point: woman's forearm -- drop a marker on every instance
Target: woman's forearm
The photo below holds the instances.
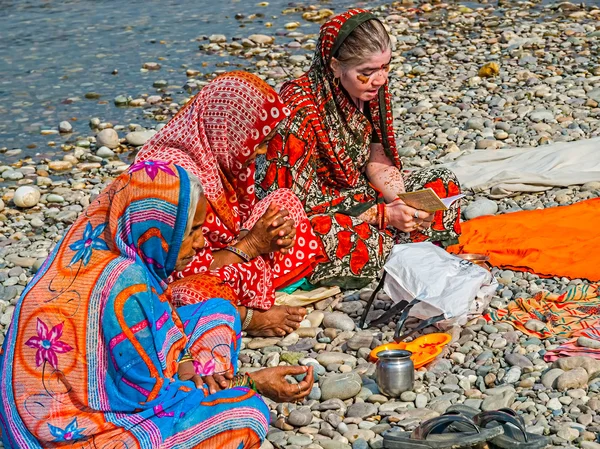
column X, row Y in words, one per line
column 225, row 257
column 383, row 174
column 370, row 216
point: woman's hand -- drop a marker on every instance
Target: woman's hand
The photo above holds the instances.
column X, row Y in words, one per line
column 270, row 382
column 214, row 383
column 274, row 231
column 403, row 217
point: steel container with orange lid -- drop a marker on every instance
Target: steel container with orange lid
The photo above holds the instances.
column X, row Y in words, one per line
column 395, row 372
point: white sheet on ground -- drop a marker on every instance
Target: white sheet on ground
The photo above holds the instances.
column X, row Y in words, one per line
column 527, row 169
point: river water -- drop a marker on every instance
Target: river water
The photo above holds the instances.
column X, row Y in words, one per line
column 54, row 52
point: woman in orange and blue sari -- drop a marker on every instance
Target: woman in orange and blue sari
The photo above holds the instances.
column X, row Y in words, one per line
column 96, row 356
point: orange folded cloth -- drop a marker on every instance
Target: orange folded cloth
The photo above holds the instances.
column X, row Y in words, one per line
column 559, row 241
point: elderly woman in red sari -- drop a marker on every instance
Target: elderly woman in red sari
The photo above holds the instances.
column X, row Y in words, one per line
column 337, row 153
column 252, row 248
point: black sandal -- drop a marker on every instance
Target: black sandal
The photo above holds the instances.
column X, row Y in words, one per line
column 441, row 433
column 515, row 435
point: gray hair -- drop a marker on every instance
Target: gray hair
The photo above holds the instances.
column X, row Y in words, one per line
column 367, row 39
column 196, row 190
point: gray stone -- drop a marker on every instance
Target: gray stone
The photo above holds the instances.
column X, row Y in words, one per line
column 594, row 95
column 512, row 375
column 12, row 175
column 342, row 386
column 592, row 185
column 300, row 440
column 300, row 417
column 420, row 401
column 104, row 152
column 107, row 138
column 535, row 325
column 54, row 198
column 408, row 396
column 540, row 116
column 554, row 404
column 65, row 127
column 475, row 123
column 139, row 138
column 328, row 358
column 498, row 401
column 261, row 39
column 333, row 444
column 339, row 320
column 362, row 339
column 549, row 377
column 362, row 410
column 518, row 360
column 588, row 343
column 480, row 207
column 26, row 196
column 575, row 378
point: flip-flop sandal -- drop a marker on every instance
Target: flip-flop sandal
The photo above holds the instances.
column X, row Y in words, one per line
column 439, row 433
column 515, row 435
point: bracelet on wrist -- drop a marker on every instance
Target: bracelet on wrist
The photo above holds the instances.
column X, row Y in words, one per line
column 238, row 252
column 248, row 319
column 187, row 357
column 382, row 220
column 243, row 380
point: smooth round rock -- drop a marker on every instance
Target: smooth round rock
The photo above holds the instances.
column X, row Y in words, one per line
column 107, row 138
column 139, row 138
column 341, row 386
column 26, row 196
column 104, row 152
column 339, row 320
column 361, row 410
column 65, row 127
column 300, row 417
column 481, row 207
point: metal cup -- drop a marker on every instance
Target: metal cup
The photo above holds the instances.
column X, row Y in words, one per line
column 395, row 372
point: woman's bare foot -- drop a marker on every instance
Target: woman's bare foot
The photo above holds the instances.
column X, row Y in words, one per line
column 278, row 321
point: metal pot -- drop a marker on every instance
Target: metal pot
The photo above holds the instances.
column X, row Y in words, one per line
column 395, row 372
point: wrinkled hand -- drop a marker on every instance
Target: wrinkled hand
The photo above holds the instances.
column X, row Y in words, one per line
column 214, row 382
column 270, row 382
column 402, row 217
column 274, row 231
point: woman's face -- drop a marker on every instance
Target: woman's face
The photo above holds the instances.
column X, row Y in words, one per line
column 364, row 80
column 195, row 240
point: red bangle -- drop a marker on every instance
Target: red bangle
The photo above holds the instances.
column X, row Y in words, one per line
column 381, row 216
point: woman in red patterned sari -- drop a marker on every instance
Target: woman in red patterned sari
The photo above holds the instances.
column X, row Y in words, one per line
column 250, row 247
column 337, row 153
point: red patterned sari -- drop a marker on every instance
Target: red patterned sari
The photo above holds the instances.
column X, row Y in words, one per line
column 213, row 137
column 320, row 154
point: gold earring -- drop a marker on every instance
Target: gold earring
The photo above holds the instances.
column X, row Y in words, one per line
column 336, row 82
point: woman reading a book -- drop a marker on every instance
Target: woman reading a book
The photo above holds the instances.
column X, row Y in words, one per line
column 337, row 153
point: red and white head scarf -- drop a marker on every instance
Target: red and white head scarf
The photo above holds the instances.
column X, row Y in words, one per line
column 213, row 137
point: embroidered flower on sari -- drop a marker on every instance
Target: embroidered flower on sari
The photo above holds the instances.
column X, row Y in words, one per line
column 205, row 370
column 69, row 433
column 48, row 344
column 152, row 168
column 91, row 240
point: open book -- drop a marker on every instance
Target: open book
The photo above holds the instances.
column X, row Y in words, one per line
column 428, row 200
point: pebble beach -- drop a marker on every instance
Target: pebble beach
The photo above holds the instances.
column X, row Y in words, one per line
column 464, row 76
